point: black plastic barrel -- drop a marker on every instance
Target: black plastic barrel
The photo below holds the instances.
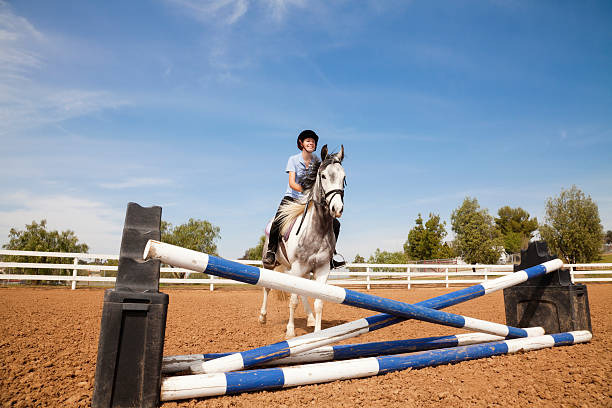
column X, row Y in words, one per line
column 131, row 345
column 552, row 301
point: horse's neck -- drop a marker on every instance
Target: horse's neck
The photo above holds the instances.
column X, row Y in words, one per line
column 320, row 214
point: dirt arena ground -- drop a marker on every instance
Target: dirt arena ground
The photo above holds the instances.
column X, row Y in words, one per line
column 49, row 337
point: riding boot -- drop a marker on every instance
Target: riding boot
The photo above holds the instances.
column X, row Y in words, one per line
column 269, row 258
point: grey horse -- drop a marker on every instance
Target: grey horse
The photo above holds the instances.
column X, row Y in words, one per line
column 311, row 242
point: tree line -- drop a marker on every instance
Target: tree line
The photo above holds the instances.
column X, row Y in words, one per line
column 572, row 228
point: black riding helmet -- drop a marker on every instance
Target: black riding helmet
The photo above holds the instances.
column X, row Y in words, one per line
column 305, row 135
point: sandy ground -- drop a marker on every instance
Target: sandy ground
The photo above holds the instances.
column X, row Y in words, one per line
column 49, row 338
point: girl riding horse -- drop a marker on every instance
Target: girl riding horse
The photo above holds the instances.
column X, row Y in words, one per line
column 309, row 223
column 297, row 167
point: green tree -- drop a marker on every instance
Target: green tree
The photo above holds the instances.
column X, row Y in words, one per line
column 446, row 251
column 36, row 237
column 386, row 257
column 477, row 238
column 198, row 235
column 608, row 237
column 515, row 227
column 572, row 226
column 358, row 259
column 256, row 252
column 425, row 242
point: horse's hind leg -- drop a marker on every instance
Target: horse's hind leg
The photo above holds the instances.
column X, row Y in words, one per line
column 308, row 310
column 293, row 302
column 263, row 312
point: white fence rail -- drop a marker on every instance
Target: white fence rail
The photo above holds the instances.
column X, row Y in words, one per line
column 354, row 274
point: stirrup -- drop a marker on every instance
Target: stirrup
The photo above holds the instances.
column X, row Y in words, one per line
column 333, row 264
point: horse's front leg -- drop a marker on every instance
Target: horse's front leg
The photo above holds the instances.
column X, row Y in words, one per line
column 293, row 302
column 321, row 277
column 263, row 312
column 296, row 270
column 308, row 310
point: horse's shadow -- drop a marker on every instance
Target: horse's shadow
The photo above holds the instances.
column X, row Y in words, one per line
column 302, row 323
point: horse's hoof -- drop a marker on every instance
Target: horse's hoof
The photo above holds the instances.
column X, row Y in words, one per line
column 311, row 321
column 289, row 334
column 262, row 319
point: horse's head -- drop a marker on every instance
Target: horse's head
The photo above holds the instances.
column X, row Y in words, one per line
column 332, row 180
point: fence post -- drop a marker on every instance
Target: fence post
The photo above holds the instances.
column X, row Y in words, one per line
column 446, row 273
column 486, row 270
column 74, row 273
column 368, row 270
column 408, row 277
column 212, row 285
column 572, row 273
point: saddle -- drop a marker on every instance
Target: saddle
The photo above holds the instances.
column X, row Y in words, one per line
column 284, row 237
column 287, row 233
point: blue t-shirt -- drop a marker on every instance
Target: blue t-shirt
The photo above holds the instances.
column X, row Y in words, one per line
column 296, row 164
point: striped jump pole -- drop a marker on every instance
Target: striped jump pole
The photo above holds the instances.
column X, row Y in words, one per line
column 205, row 385
column 365, row 325
column 201, row 262
column 175, row 364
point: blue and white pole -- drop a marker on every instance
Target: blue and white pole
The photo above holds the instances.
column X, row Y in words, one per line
column 175, row 364
column 197, row 261
column 201, row 262
column 205, row 385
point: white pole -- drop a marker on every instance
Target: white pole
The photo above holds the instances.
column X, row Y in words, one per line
column 368, row 277
column 74, row 273
column 446, row 274
column 206, row 385
column 201, row 262
column 408, row 270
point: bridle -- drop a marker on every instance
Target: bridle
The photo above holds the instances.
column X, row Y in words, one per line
column 332, row 193
column 324, row 201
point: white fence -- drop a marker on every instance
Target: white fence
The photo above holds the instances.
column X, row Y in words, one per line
column 97, row 268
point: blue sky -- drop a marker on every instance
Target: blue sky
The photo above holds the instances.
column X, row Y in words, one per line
column 195, row 106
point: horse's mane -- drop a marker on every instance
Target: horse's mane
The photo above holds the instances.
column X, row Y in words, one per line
column 291, row 210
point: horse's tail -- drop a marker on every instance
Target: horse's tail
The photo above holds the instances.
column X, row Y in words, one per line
column 288, row 212
column 280, row 295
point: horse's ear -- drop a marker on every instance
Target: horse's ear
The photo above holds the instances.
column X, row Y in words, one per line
column 323, row 152
column 340, row 155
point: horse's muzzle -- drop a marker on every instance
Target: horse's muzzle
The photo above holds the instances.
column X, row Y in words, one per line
column 337, row 208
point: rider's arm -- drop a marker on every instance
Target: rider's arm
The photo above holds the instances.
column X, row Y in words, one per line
column 292, row 182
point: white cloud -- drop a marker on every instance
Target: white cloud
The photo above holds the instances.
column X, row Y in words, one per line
column 15, row 33
column 230, row 11
column 279, row 7
column 27, row 103
column 94, row 223
column 136, row 182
